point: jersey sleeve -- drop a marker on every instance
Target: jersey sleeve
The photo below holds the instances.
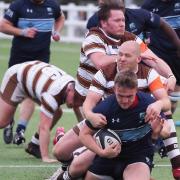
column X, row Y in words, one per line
column 98, row 83
column 152, row 20
column 143, row 46
column 92, row 44
column 57, row 10
column 48, row 105
column 154, row 81
column 12, row 13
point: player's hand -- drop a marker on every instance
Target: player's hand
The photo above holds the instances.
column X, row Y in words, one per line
column 156, row 125
column 56, row 36
column 152, row 111
column 29, row 32
column 49, row 160
column 111, row 151
column 98, row 120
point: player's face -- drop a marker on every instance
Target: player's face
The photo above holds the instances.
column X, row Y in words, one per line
column 115, row 25
column 125, row 96
column 127, row 59
column 70, row 95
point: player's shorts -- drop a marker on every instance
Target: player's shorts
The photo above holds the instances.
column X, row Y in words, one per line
column 115, row 167
column 78, row 127
column 21, row 57
column 11, row 90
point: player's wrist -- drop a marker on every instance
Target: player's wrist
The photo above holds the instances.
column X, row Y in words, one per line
column 23, row 32
column 171, row 76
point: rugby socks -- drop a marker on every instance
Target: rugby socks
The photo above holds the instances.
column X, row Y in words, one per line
column 65, row 164
column 171, row 144
column 21, row 126
column 66, row 175
column 35, row 139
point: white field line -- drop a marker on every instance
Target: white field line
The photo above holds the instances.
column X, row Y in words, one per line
column 56, row 166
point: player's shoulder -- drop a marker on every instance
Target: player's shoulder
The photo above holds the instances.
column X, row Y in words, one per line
column 145, row 98
column 128, row 36
column 52, row 3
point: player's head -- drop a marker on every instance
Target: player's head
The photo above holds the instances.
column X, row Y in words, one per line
column 70, row 89
column 100, row 2
column 129, row 56
column 112, row 20
column 125, row 88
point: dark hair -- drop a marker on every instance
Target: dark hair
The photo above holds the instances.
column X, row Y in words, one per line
column 126, row 79
column 104, row 10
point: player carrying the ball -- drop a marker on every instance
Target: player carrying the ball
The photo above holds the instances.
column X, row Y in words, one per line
column 126, row 114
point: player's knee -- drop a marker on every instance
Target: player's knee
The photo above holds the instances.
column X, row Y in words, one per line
column 78, row 168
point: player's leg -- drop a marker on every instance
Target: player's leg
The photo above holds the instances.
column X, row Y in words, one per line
column 63, row 150
column 92, row 176
column 132, row 171
column 6, row 113
column 26, row 111
column 81, row 163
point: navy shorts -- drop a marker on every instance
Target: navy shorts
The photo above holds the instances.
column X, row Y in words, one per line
column 116, row 166
column 21, row 57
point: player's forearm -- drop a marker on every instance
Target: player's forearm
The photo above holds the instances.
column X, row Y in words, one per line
column 88, row 141
column 157, row 63
column 166, row 130
column 164, row 104
column 170, row 33
column 44, row 138
column 7, row 28
column 59, row 23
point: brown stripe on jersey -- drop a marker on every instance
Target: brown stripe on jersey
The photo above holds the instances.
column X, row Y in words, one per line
column 172, row 135
column 36, row 78
column 171, row 147
column 97, row 84
column 8, row 101
column 128, row 36
column 61, row 96
column 24, row 79
column 46, row 106
column 76, row 130
column 9, row 89
column 94, row 46
column 109, row 72
column 46, row 85
column 89, row 68
column 84, row 82
column 143, row 71
column 97, row 32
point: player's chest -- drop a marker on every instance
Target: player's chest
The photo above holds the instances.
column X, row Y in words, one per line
column 37, row 12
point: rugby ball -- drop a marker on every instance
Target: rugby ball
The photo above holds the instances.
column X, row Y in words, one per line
column 106, row 137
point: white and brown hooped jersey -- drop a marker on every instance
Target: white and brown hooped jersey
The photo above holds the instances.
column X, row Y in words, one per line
column 103, row 81
column 42, row 82
column 98, row 41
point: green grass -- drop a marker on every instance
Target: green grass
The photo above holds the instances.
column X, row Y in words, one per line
column 15, row 164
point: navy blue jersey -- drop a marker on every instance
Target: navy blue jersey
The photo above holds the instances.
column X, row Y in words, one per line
column 170, row 11
column 129, row 124
column 159, row 43
column 137, row 20
column 26, row 14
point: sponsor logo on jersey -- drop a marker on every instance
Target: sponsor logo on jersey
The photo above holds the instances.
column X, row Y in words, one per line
column 115, row 120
